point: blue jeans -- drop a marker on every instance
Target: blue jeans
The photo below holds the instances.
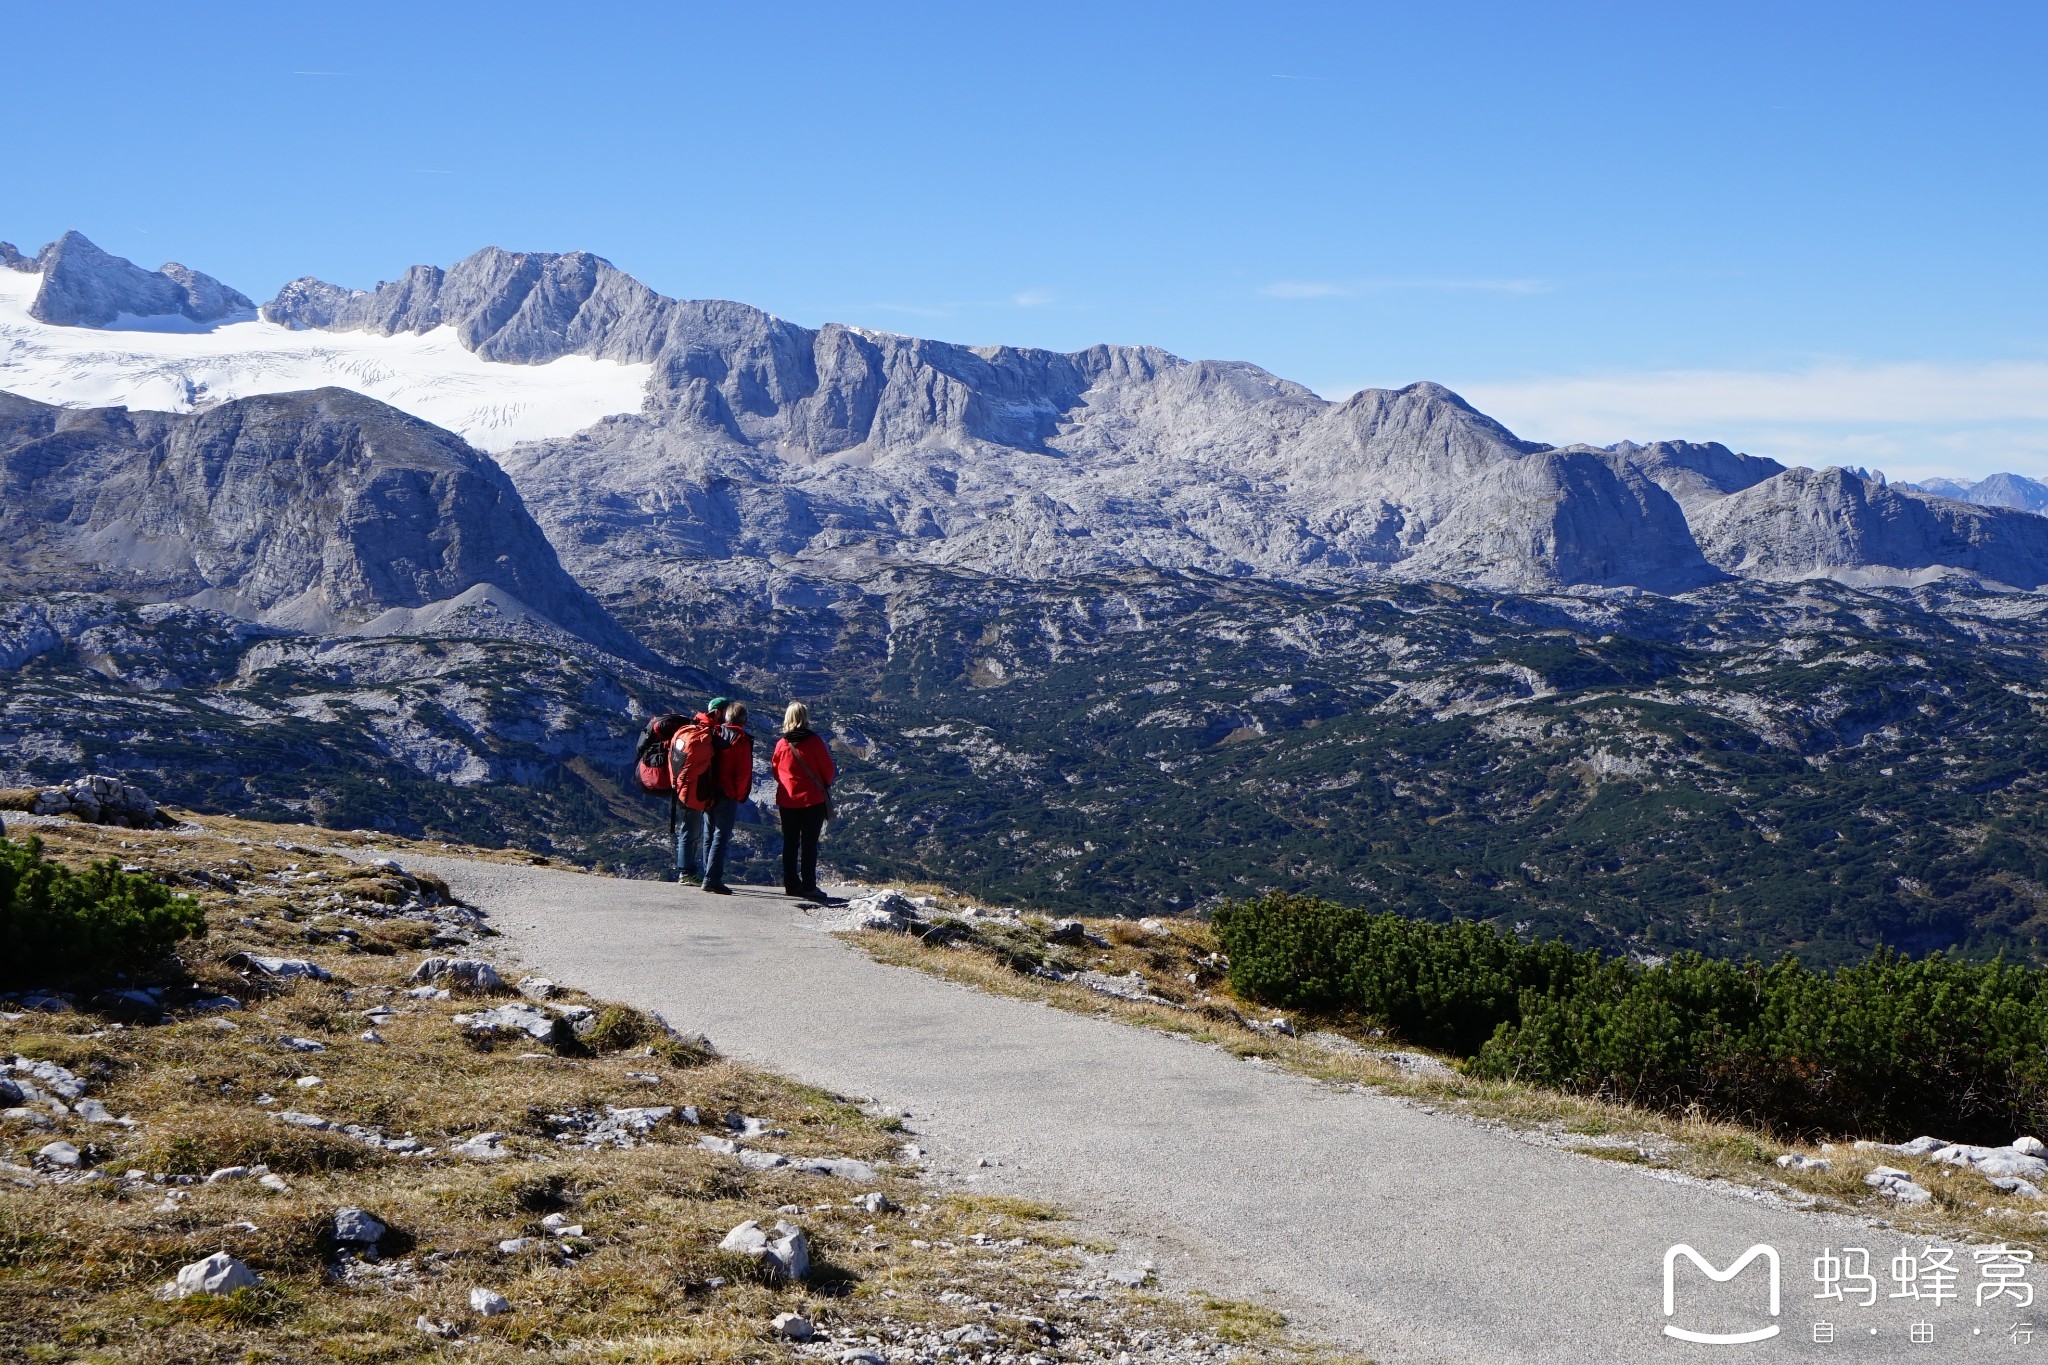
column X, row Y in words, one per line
column 689, row 841
column 721, row 813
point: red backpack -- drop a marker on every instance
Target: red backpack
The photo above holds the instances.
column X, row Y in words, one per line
column 652, row 758
column 696, row 744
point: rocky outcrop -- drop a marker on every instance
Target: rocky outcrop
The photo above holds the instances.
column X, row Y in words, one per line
column 1805, row 523
column 314, row 509
column 84, row 286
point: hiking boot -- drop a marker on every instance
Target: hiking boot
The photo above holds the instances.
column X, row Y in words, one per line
column 796, row 891
column 718, row 888
column 819, row 894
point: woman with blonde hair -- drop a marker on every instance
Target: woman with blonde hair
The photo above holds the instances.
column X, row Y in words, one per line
column 803, row 797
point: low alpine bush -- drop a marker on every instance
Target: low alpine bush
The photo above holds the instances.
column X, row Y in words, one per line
column 1891, row 1046
column 61, row 927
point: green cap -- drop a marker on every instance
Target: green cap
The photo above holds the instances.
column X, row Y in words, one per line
column 717, row 704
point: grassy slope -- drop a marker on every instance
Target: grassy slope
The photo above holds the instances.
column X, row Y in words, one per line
column 78, row 1262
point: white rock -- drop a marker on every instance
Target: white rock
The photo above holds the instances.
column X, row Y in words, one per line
column 488, row 1303
column 521, row 1019
column 274, row 1182
column 794, row 1326
column 226, row 1174
column 482, row 1147
column 445, row 1330
column 2014, row 1185
column 92, row 1111
column 219, row 1273
column 50, row 1077
column 301, row 1120
column 357, row 1226
column 461, row 973
column 2030, row 1146
column 59, row 1154
column 1798, row 1161
column 1896, row 1184
column 874, row 1202
column 370, row 1035
column 308, row 1082
column 291, row 1044
column 786, row 1253
column 285, row 967
column 514, row 1246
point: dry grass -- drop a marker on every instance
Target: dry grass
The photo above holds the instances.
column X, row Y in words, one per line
column 1177, row 967
column 79, row 1262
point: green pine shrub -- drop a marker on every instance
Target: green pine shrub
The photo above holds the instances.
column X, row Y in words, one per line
column 61, row 927
column 1891, row 1046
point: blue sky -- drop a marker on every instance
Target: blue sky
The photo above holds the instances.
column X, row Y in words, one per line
column 1812, row 230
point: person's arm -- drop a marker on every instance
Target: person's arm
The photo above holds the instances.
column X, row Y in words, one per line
column 826, row 768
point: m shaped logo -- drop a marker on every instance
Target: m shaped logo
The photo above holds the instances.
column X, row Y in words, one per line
column 1770, row 1257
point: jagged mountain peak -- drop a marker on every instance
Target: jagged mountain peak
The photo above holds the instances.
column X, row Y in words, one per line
column 84, row 286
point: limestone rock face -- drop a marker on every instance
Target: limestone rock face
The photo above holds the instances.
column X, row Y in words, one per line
column 312, row 509
column 84, row 286
column 1804, row 523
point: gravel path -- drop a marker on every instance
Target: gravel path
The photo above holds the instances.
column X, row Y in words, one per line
column 1408, row 1235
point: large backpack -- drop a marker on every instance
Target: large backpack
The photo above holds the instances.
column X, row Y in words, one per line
column 696, row 774
column 652, row 757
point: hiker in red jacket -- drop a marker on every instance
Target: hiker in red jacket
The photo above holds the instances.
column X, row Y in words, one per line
column 803, row 796
column 690, row 758
column 732, row 771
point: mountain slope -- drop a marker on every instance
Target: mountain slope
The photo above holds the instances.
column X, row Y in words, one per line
column 317, row 509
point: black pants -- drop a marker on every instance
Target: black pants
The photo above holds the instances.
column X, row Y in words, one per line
column 801, row 826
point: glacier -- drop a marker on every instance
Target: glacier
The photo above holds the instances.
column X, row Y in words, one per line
column 174, row 365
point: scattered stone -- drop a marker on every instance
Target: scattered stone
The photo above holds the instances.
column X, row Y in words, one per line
column 19, row 1114
column 59, row 1154
column 308, row 1082
column 101, row 800
column 488, row 1303
column 1131, row 1277
column 1897, row 1184
column 282, row 968
column 1990, row 1160
column 444, row 1330
column 92, row 1111
column 357, row 1227
column 428, row 993
column 536, row 987
column 228, row 1174
column 514, row 1246
column 723, row 1146
column 292, row 1044
column 1799, row 1161
column 370, row 1035
column 2031, row 1146
column 482, row 1147
column 10, row 1093
column 786, row 1254
column 50, row 1077
column 274, row 1182
column 860, row 1355
column 1131, row 986
column 762, row 1161
column 794, row 1326
column 466, row 974
column 514, row 1019
column 219, row 1273
column 874, row 1202
column 300, row 1120
column 2015, row 1185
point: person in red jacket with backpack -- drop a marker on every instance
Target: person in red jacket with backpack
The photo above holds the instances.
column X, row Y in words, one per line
column 803, row 797
column 731, row 781
column 691, row 754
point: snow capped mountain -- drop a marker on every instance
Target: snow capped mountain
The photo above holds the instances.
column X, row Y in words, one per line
column 741, row 444
column 169, row 361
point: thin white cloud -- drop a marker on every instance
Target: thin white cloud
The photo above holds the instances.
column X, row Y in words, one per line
column 1352, row 289
column 1914, row 419
column 1033, row 298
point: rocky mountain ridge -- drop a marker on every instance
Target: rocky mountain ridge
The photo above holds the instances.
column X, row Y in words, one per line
column 763, row 445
